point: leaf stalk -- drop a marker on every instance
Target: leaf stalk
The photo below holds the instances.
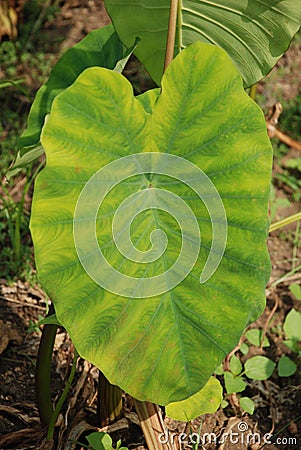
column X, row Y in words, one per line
column 110, row 405
column 171, row 35
column 43, row 367
column 152, row 425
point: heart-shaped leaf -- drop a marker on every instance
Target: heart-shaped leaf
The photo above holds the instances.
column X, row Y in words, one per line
column 233, row 383
column 259, row 368
column 296, row 289
column 129, row 185
column 292, row 325
column 254, row 336
column 254, row 33
column 100, row 441
column 286, row 367
column 235, row 365
column 247, row 404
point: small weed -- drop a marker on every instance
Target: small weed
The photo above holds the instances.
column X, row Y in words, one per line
column 292, row 182
column 101, row 441
column 19, row 62
column 292, row 330
column 260, row 367
column 34, row 325
column 276, row 204
column 16, row 246
column 296, row 291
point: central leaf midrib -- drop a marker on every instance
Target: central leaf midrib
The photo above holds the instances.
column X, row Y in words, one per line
column 190, row 91
column 171, row 294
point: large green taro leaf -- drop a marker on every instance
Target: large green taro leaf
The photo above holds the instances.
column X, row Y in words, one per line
column 255, row 33
column 100, row 47
column 162, row 347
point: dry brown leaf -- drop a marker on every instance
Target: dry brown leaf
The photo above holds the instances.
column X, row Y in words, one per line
column 8, row 334
column 8, row 20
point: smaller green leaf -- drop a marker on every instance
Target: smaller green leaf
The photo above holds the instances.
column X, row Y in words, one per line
column 205, row 401
column 118, row 446
column 224, row 404
column 247, row 404
column 286, row 367
column 296, row 290
column 120, row 65
column 235, row 365
column 49, row 320
column 259, row 368
column 100, row 441
column 219, row 370
column 254, row 336
column 23, row 160
column 234, row 384
column 255, row 33
column 244, row 348
column 292, row 325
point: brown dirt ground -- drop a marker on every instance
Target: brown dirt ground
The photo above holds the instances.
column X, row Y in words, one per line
column 278, row 400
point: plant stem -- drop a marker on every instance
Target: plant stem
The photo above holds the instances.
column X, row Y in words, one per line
column 296, row 245
column 285, row 221
column 179, row 25
column 43, row 386
column 62, row 398
column 152, row 426
column 17, row 237
column 109, row 401
column 171, row 35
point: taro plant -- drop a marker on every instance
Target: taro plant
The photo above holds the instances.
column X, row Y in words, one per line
column 149, row 220
column 292, row 331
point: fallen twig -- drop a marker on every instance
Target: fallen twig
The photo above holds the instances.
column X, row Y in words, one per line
column 18, row 302
column 265, row 328
column 271, row 122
